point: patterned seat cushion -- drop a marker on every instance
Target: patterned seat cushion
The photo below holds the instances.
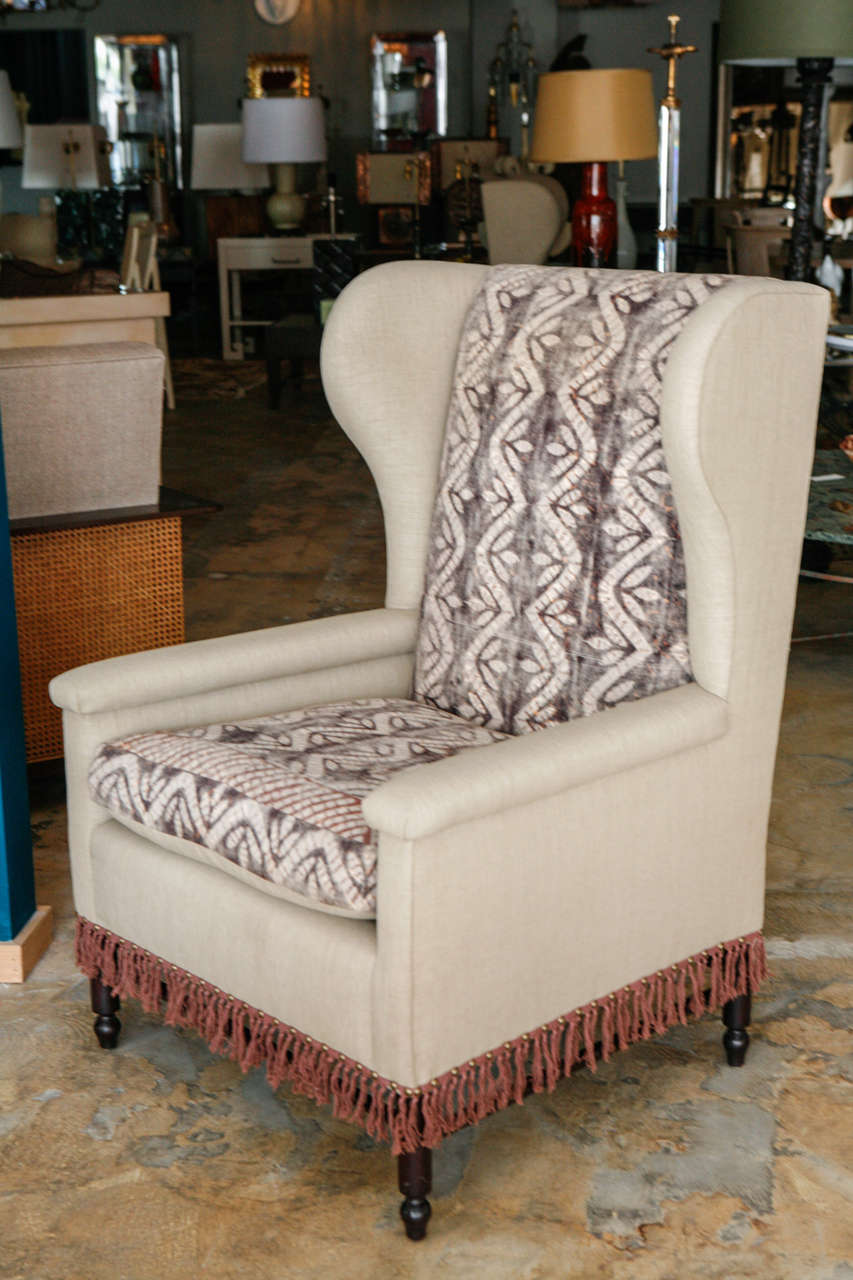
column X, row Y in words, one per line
column 555, row 578
column 281, row 796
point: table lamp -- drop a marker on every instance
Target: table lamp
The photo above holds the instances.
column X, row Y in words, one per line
column 811, row 36
column 284, row 132
column 592, row 117
column 217, row 160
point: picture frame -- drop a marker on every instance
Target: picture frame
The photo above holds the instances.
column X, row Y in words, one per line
column 395, row 226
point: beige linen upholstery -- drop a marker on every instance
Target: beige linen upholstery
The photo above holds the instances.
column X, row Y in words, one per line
column 525, row 218
column 524, row 879
column 81, row 427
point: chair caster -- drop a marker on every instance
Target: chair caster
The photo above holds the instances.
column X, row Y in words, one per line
column 414, row 1174
column 104, row 1005
column 736, row 1015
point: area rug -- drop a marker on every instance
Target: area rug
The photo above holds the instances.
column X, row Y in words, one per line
column 202, row 379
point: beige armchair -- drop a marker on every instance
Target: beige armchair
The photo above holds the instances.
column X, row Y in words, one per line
column 526, row 218
column 422, row 859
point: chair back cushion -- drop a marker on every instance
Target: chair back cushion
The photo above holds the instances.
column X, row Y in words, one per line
column 555, row 578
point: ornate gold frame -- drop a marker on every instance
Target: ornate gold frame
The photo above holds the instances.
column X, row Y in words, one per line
column 420, row 174
column 259, row 64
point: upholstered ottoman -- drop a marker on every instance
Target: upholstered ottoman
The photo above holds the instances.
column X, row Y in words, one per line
column 81, row 427
column 96, row 558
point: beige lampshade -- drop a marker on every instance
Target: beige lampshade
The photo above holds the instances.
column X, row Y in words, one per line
column 588, row 116
column 218, row 163
column 10, row 125
column 72, row 156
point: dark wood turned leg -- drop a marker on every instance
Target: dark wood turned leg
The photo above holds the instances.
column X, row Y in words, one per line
column 105, row 1006
column 736, row 1015
column 273, row 380
column 414, row 1176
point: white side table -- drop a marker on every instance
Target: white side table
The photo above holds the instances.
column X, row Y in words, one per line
column 256, row 253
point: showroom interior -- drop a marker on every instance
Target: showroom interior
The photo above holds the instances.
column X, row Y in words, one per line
column 195, row 197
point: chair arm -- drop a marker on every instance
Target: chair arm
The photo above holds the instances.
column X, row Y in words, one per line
column 203, row 666
column 485, row 780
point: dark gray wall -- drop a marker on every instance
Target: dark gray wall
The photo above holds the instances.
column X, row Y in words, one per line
column 220, row 34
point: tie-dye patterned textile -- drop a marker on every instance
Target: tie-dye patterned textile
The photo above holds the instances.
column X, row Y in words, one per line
column 555, row 578
column 281, row 796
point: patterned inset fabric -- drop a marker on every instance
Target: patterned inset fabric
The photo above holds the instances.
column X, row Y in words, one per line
column 281, row 796
column 555, row 577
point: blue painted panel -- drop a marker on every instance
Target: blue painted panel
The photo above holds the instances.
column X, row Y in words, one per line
column 17, row 885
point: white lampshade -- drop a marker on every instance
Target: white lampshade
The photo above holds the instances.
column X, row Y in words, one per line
column 218, row 164
column 66, row 156
column 283, row 131
column 10, row 125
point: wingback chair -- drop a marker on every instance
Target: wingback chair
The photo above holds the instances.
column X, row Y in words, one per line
column 526, row 218
column 421, row 860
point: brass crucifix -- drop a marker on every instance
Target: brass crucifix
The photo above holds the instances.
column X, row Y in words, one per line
column 672, row 51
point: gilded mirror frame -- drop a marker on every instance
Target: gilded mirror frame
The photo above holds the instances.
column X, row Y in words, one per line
column 261, row 66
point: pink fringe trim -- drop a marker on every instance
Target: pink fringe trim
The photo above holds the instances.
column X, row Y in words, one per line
column 412, row 1117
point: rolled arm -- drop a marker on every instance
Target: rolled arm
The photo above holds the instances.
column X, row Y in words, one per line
column 204, row 666
column 485, row 780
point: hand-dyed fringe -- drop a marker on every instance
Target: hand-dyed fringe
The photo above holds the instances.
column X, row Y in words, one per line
column 412, row 1117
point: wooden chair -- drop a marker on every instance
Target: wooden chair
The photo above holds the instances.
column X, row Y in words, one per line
column 750, row 248
column 139, row 273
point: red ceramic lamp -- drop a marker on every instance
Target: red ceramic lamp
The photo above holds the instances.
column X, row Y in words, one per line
column 592, row 117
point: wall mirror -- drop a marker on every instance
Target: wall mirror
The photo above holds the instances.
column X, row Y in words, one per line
column 408, row 88
column 758, row 134
column 138, row 87
column 274, row 74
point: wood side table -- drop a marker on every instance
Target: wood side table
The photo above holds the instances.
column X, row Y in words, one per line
column 256, row 253
column 73, row 319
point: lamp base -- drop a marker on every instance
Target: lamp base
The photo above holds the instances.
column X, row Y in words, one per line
column 285, row 207
column 594, row 221
column 814, row 74
column 626, row 241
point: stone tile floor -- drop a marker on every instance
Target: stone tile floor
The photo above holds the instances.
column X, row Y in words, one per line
column 161, row 1162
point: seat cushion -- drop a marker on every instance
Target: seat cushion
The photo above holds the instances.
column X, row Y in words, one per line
column 280, row 797
column 555, row 582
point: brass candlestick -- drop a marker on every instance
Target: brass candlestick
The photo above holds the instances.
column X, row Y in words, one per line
column 669, row 121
